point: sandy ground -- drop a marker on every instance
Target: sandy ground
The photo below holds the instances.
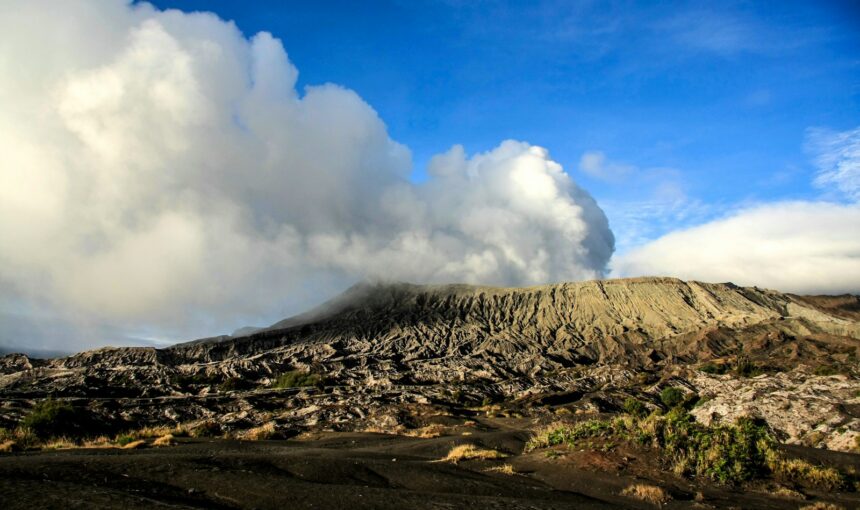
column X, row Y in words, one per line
column 357, row 471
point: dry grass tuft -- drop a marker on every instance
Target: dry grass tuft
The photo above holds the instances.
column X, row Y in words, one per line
column 542, row 437
column 98, row 442
column 471, row 452
column 428, row 432
column 261, row 433
column 822, row 506
column 648, row 493
column 505, row 469
column 59, row 443
column 9, row 446
column 165, row 440
column 134, row 445
column 801, row 471
column 151, row 432
column 785, row 492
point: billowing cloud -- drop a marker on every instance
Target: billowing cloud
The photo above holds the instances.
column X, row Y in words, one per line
column 803, row 247
column 159, row 168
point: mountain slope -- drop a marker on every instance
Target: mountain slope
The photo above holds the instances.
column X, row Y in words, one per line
column 384, row 347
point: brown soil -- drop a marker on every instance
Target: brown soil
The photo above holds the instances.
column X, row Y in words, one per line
column 362, row 470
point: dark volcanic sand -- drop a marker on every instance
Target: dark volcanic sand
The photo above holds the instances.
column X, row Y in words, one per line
column 356, row 470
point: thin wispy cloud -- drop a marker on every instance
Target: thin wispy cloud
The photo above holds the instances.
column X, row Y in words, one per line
column 837, row 156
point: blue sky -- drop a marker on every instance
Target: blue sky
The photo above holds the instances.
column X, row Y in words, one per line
column 179, row 181
column 709, row 102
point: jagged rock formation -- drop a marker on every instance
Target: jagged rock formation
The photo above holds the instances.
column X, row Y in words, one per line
column 385, row 347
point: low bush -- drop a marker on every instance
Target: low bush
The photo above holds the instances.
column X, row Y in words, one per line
column 746, row 368
column 714, row 368
column 125, row 439
column 296, row 379
column 635, row 407
column 53, row 418
column 234, row 384
column 825, row 370
column 569, row 434
column 672, row 397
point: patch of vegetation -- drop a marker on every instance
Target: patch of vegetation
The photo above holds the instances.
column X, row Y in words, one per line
column 505, row 469
column 234, row 384
column 825, row 370
column 702, row 401
column 802, row 472
column 728, row 454
column 820, row 505
column 53, row 418
column 125, row 439
column 17, row 439
column 744, row 367
column 714, row 368
column 635, row 407
column 672, row 397
column 570, row 434
column 296, row 379
column 263, row 432
column 648, row 493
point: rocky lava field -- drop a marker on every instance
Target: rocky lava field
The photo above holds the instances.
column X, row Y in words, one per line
column 407, row 372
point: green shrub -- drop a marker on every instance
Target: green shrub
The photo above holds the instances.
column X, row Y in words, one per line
column 297, row 378
column 52, row 418
column 714, row 368
column 635, row 407
column 570, row 434
column 672, row 397
column 702, row 401
column 234, row 384
column 124, row 439
column 744, row 367
column 825, row 370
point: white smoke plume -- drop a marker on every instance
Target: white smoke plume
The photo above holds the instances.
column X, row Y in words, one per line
column 158, row 168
